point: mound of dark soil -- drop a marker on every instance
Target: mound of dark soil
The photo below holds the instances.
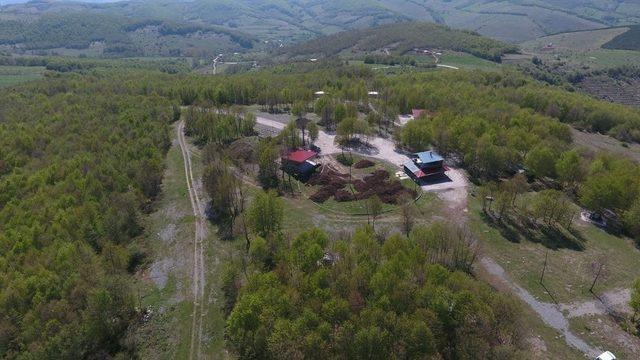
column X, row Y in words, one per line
column 378, row 183
column 363, row 164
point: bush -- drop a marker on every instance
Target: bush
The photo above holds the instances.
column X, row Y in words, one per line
column 346, row 160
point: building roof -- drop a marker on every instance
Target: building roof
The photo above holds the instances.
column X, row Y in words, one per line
column 300, row 156
column 411, row 166
column 427, row 157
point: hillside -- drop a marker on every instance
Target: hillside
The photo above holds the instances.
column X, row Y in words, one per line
column 398, row 39
column 87, row 32
column 290, row 21
column 629, row 40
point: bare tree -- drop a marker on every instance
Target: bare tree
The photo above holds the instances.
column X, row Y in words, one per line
column 407, row 212
column 374, row 209
column 598, row 270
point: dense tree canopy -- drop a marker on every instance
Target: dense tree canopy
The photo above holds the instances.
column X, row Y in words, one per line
column 79, row 160
column 359, row 299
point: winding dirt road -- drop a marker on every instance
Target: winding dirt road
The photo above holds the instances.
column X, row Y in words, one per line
column 198, row 314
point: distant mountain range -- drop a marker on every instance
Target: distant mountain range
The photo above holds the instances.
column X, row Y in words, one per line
column 235, row 25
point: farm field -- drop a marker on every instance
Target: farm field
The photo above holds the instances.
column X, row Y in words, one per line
column 14, row 75
column 577, row 40
column 583, row 49
column 604, row 143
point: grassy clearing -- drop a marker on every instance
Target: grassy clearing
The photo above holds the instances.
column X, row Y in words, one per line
column 168, row 241
column 580, row 40
column 14, row 75
column 584, row 49
column 568, row 275
column 605, row 143
column 604, row 333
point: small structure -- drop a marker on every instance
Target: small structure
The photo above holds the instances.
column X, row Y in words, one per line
column 299, row 163
column 425, row 165
column 607, row 355
column 416, row 113
column 329, row 259
column 320, row 93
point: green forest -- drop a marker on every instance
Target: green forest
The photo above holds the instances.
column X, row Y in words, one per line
column 629, row 40
column 360, row 299
column 82, row 158
column 79, row 29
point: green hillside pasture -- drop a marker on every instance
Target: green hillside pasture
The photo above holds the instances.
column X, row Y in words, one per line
column 576, row 41
column 14, row 75
column 583, row 49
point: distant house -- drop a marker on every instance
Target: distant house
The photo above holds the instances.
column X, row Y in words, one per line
column 299, row 163
column 425, row 165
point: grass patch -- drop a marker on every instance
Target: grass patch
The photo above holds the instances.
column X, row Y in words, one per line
column 568, row 276
column 15, row 75
column 603, row 333
column 168, row 241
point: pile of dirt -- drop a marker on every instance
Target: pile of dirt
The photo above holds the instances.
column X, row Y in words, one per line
column 377, row 183
column 328, row 176
column 363, row 164
column 322, row 195
column 331, row 181
column 343, row 195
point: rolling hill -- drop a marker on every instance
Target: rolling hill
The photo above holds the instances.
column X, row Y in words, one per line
column 398, row 39
column 114, row 35
column 289, row 21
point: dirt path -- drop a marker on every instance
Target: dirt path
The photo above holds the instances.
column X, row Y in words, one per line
column 198, row 314
column 610, row 301
column 549, row 313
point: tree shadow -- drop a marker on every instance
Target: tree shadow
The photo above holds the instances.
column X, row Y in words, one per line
column 504, row 229
column 550, row 236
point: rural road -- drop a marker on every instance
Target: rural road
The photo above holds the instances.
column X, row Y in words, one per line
column 455, row 195
column 197, row 316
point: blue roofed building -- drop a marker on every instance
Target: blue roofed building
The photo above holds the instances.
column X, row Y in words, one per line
column 425, row 165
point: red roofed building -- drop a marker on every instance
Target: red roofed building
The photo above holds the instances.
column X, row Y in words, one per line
column 298, row 163
column 300, row 156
